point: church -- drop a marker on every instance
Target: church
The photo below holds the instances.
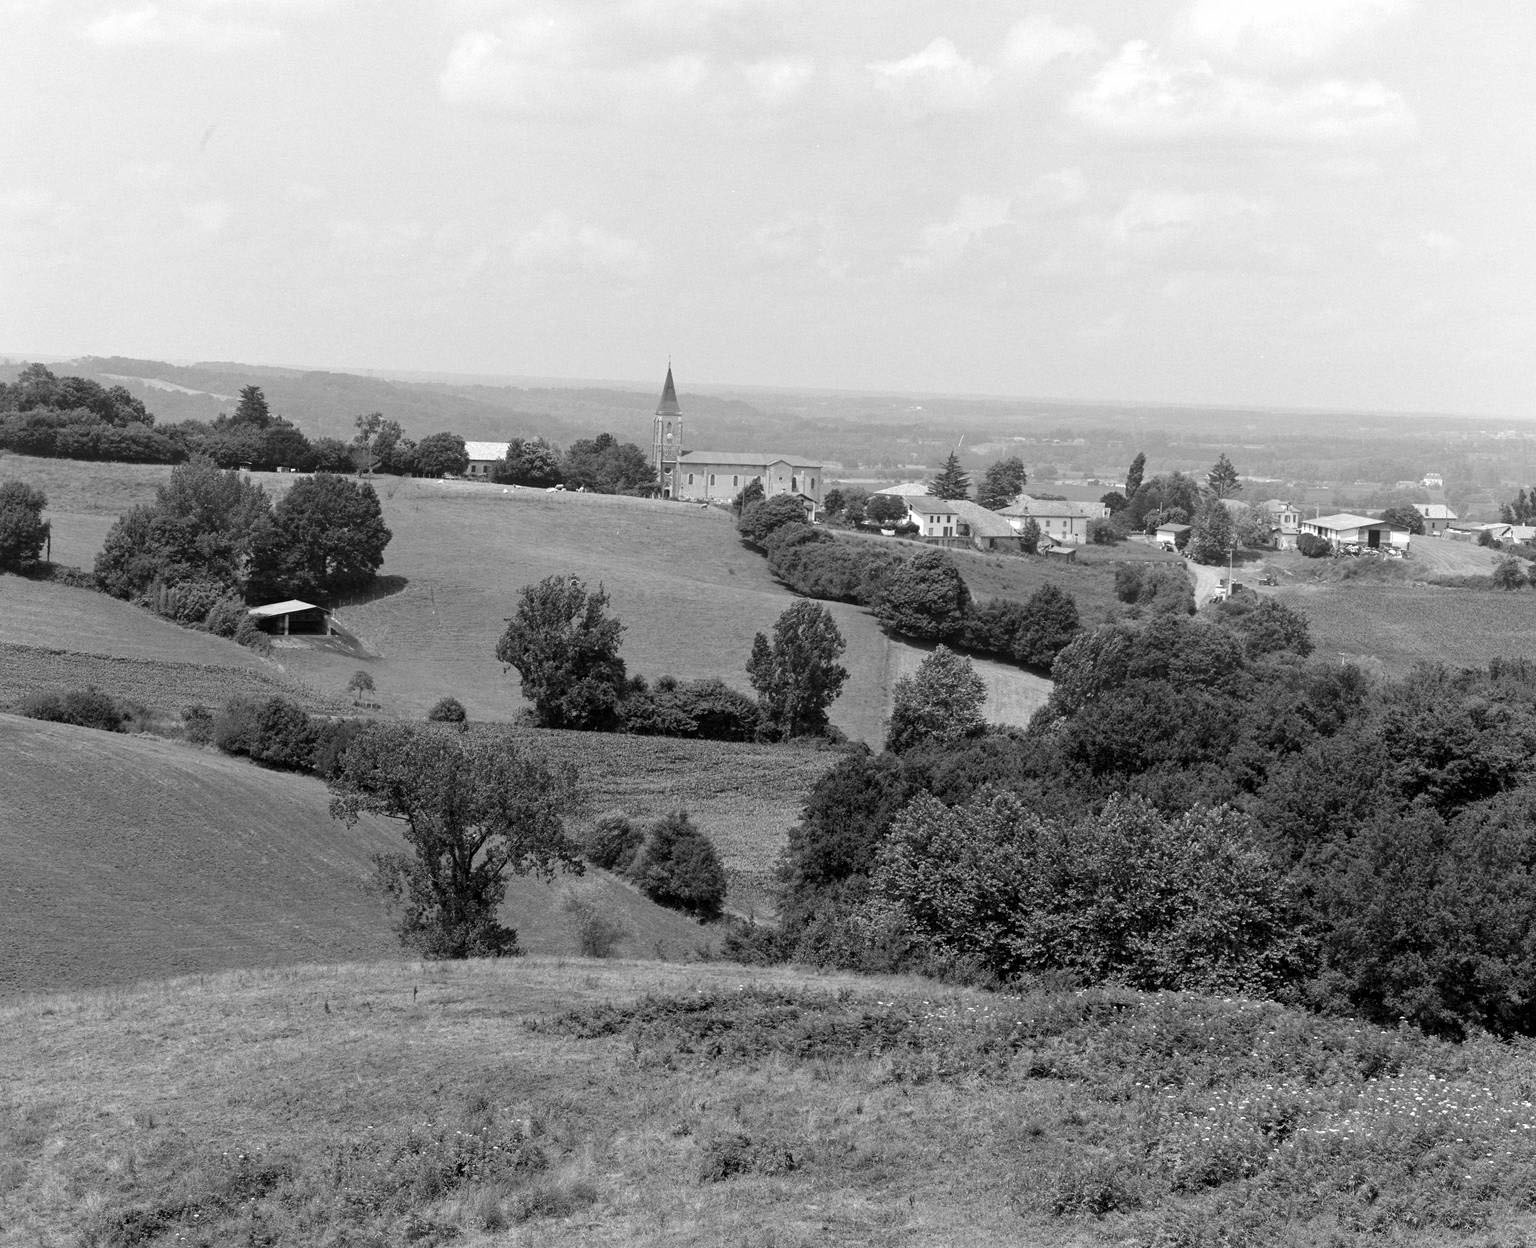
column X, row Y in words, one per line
column 718, row 476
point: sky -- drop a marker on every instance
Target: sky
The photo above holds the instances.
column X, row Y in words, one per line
column 1320, row 203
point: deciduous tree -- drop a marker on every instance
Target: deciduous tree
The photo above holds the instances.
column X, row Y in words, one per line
column 327, row 537
column 797, row 675
column 440, row 455
column 1211, row 538
column 941, row 702
column 925, row 598
column 1134, row 475
column 23, row 531
column 1001, row 483
column 885, row 509
column 474, row 808
column 1404, row 516
column 565, row 647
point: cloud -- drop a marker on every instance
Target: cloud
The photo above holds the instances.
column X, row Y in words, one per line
column 945, row 243
column 1283, row 33
column 800, row 242
column 150, row 24
column 208, row 216
column 938, row 78
column 1061, row 188
column 1039, row 40
column 1141, row 97
column 559, row 243
column 1189, row 230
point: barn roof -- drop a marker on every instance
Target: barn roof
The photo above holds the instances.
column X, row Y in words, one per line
column 291, row 607
column 486, row 450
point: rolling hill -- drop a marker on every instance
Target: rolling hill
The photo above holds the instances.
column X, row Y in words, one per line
column 130, row 857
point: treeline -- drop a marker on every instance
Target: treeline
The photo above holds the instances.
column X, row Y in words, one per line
column 600, row 465
column 922, row 595
column 1198, row 807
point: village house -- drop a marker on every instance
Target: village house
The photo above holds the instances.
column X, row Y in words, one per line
column 1437, row 518
column 1284, row 522
column 955, row 519
column 1173, row 536
column 1346, row 531
column 1064, row 523
column 719, row 476
column 483, row 457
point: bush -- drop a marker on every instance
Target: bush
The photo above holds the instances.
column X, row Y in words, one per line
column 332, row 737
column 680, row 869
column 272, row 731
column 614, row 843
column 225, row 617
column 707, row 709
column 448, row 711
column 1103, row 531
column 85, row 708
column 759, row 520
column 1313, row 546
column 927, row 598
column 23, row 531
column 197, row 724
column 186, row 602
column 597, row 935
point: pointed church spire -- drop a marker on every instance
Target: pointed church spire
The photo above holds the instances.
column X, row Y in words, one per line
column 668, row 405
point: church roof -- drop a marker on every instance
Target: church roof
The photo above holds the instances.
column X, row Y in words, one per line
column 668, row 405
column 745, row 459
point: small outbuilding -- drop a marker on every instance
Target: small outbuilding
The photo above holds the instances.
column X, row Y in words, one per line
column 1173, row 536
column 1351, row 533
column 292, row 618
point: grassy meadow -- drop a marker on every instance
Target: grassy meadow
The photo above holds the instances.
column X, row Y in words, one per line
column 125, row 858
column 574, row 1102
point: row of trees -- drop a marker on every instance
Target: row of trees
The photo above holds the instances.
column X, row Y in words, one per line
column 565, row 647
column 600, row 465
column 923, row 596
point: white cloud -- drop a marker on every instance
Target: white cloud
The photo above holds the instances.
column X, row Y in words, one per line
column 1140, row 96
column 557, row 242
column 208, row 216
column 1195, row 230
column 1280, row 33
column 151, row 24
column 778, row 81
column 938, row 78
column 1039, row 40
column 946, row 242
column 799, row 242
column 1061, row 188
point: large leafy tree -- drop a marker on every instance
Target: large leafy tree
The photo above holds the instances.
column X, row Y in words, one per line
column 952, row 482
column 441, row 454
column 565, row 647
column 941, row 702
column 528, row 462
column 202, row 526
column 796, row 674
column 474, row 808
column 886, row 509
column 23, row 531
column 1222, row 479
column 1404, row 516
column 605, row 465
column 926, row 597
column 760, row 520
column 1213, row 535
column 1001, row 483
column 327, row 537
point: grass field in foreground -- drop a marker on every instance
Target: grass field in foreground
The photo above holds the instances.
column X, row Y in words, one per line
column 130, row 857
column 539, row 1101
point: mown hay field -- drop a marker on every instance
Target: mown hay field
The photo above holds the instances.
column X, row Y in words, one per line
column 574, row 1102
column 131, row 857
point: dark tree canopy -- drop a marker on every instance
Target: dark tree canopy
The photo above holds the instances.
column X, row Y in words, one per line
column 678, row 867
column 952, row 482
column 565, row 647
column 885, row 509
column 925, row 598
column 1213, row 535
column 1001, row 483
column 1521, row 509
column 940, row 702
column 326, row 538
column 440, row 455
column 1134, row 475
column 760, row 520
column 475, row 808
column 605, row 465
column 252, row 408
column 23, row 531
column 796, row 674
column 528, row 462
column 1404, row 516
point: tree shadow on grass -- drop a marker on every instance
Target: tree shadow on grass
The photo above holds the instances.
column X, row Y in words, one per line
column 382, row 587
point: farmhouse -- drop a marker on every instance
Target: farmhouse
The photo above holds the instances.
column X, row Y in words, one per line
column 718, row 476
column 955, row 519
column 1346, row 530
column 1173, row 536
column 1284, row 522
column 292, row 618
column 1437, row 517
column 483, row 456
column 1063, row 522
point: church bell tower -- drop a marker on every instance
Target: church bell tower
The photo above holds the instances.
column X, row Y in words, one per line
column 667, row 436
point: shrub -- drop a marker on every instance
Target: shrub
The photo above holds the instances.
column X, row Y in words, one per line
column 1507, row 574
column 1313, row 546
column 448, row 711
column 726, row 1156
column 332, row 737
column 23, row 531
column 225, row 617
column 759, row 520
column 597, row 935
column 1103, row 531
column 614, row 842
column 197, row 724
column 926, row 598
column 679, row 868
column 273, row 731
column 85, row 708
column 188, row 601
column 249, row 635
